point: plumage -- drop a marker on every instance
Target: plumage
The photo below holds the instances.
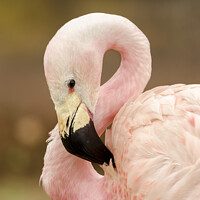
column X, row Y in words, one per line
column 159, row 137
column 155, row 136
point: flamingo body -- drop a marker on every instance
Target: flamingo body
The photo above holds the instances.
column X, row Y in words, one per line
column 155, row 140
column 155, row 136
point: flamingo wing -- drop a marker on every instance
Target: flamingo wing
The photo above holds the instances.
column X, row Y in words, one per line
column 156, row 142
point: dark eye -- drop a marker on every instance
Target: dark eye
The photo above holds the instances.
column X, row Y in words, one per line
column 71, row 83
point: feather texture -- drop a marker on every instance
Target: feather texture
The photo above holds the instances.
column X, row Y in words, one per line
column 155, row 136
column 156, row 140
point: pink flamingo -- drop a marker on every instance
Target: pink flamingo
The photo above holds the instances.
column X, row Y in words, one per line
column 155, row 136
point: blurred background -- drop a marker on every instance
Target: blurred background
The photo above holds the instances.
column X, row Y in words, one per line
column 26, row 111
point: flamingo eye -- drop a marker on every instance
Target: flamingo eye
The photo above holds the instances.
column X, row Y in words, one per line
column 71, row 84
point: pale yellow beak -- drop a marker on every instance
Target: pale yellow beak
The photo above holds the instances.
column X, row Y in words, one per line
column 72, row 109
column 78, row 133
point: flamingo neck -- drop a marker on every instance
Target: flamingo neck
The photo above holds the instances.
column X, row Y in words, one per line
column 133, row 74
column 65, row 176
column 85, row 40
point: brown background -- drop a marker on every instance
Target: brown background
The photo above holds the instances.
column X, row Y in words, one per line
column 26, row 111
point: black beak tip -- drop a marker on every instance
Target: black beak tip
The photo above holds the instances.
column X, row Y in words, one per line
column 85, row 143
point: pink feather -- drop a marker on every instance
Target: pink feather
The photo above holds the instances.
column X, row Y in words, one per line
column 155, row 136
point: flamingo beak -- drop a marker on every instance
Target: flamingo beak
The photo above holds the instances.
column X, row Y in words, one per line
column 78, row 133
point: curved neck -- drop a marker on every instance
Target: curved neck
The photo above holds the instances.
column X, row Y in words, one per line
column 133, row 74
column 80, row 45
column 66, row 176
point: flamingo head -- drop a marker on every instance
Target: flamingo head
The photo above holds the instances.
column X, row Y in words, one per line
column 73, row 64
column 73, row 76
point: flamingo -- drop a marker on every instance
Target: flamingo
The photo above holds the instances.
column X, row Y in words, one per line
column 152, row 150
